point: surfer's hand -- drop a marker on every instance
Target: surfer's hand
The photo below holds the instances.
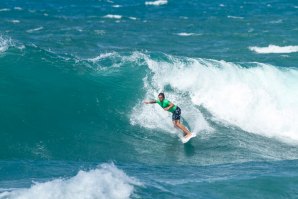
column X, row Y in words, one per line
column 166, row 109
column 146, row 102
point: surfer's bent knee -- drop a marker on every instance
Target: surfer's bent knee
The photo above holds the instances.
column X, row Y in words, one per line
column 176, row 123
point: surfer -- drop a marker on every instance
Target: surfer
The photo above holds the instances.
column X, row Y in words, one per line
column 175, row 110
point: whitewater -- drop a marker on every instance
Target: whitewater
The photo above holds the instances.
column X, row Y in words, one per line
column 112, row 183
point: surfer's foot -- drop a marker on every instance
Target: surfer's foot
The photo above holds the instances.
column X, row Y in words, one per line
column 187, row 135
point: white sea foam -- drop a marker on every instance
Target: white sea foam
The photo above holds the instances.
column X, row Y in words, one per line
column 262, row 99
column 105, row 182
column 156, row 3
column 250, row 30
column 132, row 18
column 116, row 6
column 4, row 44
column 235, row 17
column 274, row 49
column 34, row 29
column 100, row 32
column 186, row 34
column 18, row 8
column 276, row 21
column 110, row 16
column 101, row 56
column 14, row 21
column 4, row 10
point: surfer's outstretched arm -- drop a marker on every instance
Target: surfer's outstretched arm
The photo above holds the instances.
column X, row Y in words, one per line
column 150, row 102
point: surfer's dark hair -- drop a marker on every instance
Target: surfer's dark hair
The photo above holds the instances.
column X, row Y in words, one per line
column 161, row 94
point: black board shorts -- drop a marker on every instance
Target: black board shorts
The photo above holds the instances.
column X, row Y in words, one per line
column 176, row 114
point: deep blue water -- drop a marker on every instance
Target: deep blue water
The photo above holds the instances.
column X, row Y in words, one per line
column 74, row 74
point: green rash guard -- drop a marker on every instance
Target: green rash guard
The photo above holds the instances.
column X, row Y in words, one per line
column 165, row 103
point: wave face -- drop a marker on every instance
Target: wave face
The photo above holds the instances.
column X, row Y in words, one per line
column 107, row 181
column 214, row 95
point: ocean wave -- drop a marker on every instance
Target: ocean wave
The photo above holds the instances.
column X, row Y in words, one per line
column 255, row 97
column 107, row 181
column 274, row 49
column 260, row 99
column 156, row 3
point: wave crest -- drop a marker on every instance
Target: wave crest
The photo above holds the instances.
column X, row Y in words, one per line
column 107, row 181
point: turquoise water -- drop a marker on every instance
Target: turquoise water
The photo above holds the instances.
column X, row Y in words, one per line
column 73, row 76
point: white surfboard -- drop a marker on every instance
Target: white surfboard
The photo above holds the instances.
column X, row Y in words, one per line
column 185, row 140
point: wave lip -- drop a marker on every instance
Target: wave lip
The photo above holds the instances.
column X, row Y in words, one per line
column 156, row 3
column 274, row 49
column 107, row 181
